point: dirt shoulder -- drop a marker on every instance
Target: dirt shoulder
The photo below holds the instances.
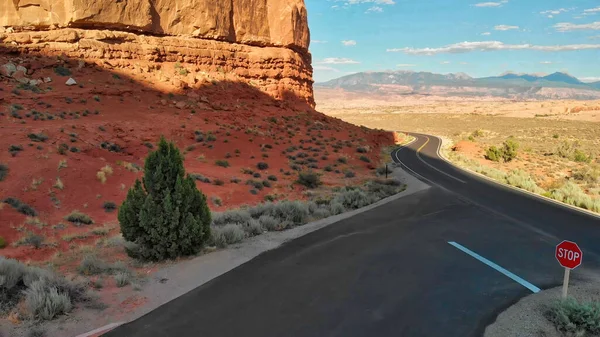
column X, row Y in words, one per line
column 527, row 317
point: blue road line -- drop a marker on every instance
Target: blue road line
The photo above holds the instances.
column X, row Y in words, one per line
column 514, row 277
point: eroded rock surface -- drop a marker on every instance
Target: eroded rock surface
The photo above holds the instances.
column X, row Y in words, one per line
column 262, row 41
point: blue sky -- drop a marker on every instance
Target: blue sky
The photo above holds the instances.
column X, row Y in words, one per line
column 482, row 38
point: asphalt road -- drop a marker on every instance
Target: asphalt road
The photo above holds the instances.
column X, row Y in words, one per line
column 390, row 271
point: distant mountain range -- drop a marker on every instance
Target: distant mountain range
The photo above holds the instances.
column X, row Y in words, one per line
column 509, row 85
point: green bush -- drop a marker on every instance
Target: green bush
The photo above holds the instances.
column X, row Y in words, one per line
column 580, row 157
column 62, row 71
column 507, row 153
column 3, row 171
column 309, row 179
column 20, row 206
column 167, row 216
column 222, row 163
column 575, row 318
column 109, row 206
column 37, row 137
column 262, row 166
column 77, row 217
column 2, row 242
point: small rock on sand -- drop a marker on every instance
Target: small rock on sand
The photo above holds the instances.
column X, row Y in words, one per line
column 71, row 81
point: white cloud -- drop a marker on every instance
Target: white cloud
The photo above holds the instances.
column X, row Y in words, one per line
column 505, row 27
column 491, row 4
column 406, row 65
column 589, row 79
column 567, row 26
column 325, row 68
column 317, row 41
column 348, row 43
column 592, row 10
column 555, row 11
column 546, row 62
column 466, row 47
column 374, row 9
column 486, row 33
column 337, row 60
column 463, row 63
column 594, row 37
column 445, row 62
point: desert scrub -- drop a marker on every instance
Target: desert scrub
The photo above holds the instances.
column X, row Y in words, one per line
column 227, row 234
column 104, row 173
column 79, row 218
column 262, row 166
column 3, row 171
column 20, row 206
column 575, row 318
column 14, row 149
column 309, row 179
column 222, row 163
column 37, row 137
column 570, row 193
column 522, row 179
column 62, row 71
column 45, row 294
column 109, row 206
column 506, row 153
column 31, row 239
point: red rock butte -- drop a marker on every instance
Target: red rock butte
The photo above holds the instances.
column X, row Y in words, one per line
column 261, row 42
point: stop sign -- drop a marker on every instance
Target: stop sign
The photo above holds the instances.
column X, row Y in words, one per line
column 568, row 254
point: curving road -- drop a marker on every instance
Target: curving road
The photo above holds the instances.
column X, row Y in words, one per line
column 391, row 271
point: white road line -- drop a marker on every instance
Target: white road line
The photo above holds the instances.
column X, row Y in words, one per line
column 507, row 273
column 421, row 159
column 433, row 167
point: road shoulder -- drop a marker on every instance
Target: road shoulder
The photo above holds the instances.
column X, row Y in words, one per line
column 181, row 277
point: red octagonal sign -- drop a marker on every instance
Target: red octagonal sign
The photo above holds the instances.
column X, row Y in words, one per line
column 568, row 254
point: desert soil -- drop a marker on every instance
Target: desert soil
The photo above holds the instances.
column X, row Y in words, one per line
column 112, row 118
column 492, row 122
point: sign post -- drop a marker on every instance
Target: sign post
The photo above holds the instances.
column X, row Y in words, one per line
column 569, row 255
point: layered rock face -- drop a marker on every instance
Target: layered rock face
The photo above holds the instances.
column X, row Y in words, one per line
column 262, row 41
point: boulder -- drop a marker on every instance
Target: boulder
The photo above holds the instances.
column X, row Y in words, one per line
column 71, row 82
column 8, row 69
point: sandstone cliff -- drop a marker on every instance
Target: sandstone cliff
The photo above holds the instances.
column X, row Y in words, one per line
column 263, row 41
